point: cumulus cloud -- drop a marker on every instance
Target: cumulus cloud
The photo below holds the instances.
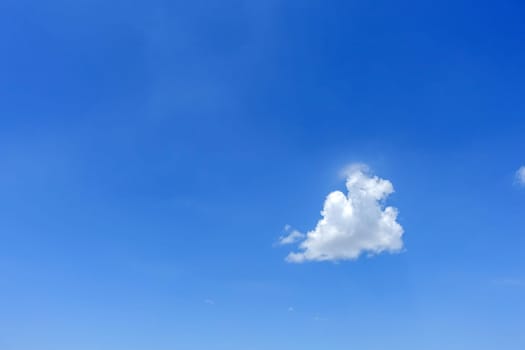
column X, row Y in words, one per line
column 520, row 175
column 353, row 223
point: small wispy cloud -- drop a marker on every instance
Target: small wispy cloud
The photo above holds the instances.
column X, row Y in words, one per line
column 291, row 309
column 291, row 236
column 209, row 302
column 520, row 176
column 509, row 282
column 319, row 318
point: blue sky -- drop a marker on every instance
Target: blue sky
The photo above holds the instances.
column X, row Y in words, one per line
column 153, row 152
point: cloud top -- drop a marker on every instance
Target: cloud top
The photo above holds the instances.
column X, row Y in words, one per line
column 353, row 223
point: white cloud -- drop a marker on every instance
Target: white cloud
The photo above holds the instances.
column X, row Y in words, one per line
column 292, row 237
column 354, row 223
column 520, row 175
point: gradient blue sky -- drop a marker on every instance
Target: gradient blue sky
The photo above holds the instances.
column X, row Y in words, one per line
column 152, row 151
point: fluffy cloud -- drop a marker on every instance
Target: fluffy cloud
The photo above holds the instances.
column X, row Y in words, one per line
column 354, row 223
column 520, row 175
